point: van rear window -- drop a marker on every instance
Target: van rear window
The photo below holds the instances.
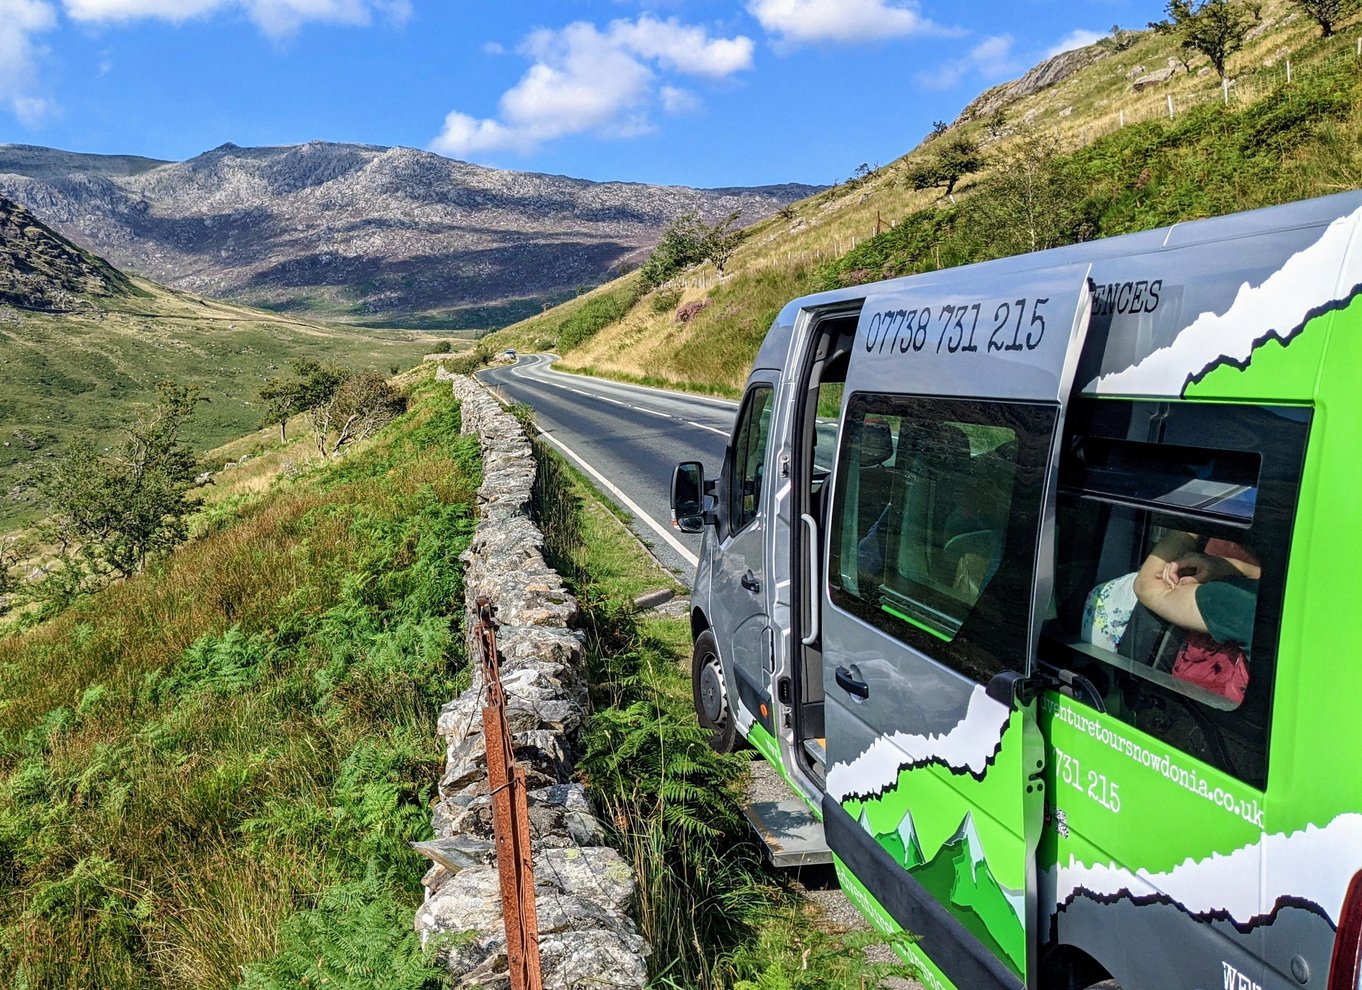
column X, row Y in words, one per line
column 1173, row 529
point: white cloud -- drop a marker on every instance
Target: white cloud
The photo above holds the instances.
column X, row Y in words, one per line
column 276, row 18
column 20, row 20
column 844, row 21
column 677, row 101
column 685, row 48
column 1079, row 38
column 991, row 59
column 587, row 80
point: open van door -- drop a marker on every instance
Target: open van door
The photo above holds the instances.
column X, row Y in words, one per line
column 736, row 696
column 938, row 577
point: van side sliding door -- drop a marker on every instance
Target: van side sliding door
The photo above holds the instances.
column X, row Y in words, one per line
column 932, row 602
column 741, row 591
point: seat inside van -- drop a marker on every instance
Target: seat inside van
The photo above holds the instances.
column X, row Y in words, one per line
column 954, row 511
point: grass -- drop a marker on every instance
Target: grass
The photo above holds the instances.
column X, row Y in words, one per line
column 210, row 774
column 715, row 916
column 90, row 372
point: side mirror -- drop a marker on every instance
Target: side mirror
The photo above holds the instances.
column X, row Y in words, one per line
column 688, row 497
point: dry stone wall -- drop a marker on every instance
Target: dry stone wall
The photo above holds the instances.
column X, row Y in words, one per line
column 584, row 891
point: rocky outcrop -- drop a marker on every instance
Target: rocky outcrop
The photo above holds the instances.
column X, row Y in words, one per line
column 1046, row 74
column 584, row 890
column 1158, row 77
column 360, row 232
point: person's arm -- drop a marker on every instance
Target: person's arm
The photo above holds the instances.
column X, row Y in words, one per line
column 1169, row 599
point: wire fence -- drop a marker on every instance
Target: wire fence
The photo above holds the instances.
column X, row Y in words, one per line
column 1269, row 82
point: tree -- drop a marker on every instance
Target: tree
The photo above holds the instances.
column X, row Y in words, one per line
column 722, row 240
column 1215, row 28
column 311, row 385
column 358, row 407
column 13, row 549
column 110, row 512
column 687, row 241
column 1327, row 13
column 1118, row 39
column 1030, row 203
column 958, row 157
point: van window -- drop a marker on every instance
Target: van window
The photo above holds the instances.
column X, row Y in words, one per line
column 749, row 458
column 1173, row 535
column 936, row 514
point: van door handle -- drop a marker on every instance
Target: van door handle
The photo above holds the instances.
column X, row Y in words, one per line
column 851, row 685
column 750, row 582
column 815, row 599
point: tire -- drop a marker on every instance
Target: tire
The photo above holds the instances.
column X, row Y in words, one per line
column 712, row 707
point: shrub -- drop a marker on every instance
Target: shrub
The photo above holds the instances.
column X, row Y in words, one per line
column 664, row 300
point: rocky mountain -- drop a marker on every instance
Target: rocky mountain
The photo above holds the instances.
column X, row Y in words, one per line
column 383, row 236
column 42, row 271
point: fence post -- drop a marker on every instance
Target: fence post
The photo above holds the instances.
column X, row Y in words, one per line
column 1225, row 88
column 1288, row 72
column 1170, row 106
column 1123, row 118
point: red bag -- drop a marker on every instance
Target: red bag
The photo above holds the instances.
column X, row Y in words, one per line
column 1214, row 666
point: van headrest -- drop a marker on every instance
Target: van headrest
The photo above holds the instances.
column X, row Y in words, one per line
column 877, row 443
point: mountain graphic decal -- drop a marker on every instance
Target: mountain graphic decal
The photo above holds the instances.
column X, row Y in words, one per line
column 959, row 877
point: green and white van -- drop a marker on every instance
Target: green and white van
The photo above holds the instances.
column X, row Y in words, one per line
column 1038, row 580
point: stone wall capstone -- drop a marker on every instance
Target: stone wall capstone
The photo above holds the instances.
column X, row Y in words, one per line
column 584, row 890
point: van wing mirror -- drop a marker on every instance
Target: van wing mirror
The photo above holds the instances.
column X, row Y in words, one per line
column 688, row 497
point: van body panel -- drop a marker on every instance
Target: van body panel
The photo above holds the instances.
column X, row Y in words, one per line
column 1170, row 854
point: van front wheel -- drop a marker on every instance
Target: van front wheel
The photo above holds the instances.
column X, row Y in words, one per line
column 711, row 695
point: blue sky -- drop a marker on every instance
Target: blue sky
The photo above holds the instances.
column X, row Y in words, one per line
column 694, row 92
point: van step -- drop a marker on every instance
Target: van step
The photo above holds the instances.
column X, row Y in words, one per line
column 790, row 832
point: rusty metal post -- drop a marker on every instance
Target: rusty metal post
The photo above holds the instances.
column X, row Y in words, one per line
column 511, row 817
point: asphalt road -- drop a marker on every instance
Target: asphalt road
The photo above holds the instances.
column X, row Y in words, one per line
column 627, row 439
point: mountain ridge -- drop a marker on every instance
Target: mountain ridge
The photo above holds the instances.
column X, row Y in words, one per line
column 358, row 232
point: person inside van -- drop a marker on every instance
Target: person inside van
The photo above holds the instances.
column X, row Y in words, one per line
column 1211, row 591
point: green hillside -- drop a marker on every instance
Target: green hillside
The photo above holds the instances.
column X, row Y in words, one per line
column 210, row 773
column 1085, row 157
column 83, row 345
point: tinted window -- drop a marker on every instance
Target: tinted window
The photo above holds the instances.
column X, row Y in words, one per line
column 935, row 522
column 1173, row 529
column 749, row 458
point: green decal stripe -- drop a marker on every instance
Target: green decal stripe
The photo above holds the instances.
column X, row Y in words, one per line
column 917, row 624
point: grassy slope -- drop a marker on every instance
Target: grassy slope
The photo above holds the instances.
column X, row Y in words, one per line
column 1271, row 145
column 219, row 764
column 89, row 372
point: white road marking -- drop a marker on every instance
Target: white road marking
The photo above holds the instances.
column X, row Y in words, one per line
column 544, row 363
column 629, row 503
column 517, row 369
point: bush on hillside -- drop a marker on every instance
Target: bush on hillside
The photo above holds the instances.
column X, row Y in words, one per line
column 596, row 313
